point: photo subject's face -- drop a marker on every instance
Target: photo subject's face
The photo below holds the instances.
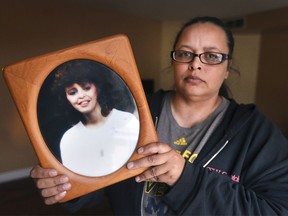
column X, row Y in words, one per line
column 82, row 98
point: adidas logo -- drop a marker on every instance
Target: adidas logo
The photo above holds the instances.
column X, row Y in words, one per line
column 181, row 141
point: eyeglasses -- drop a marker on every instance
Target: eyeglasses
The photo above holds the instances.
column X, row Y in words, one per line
column 210, row 58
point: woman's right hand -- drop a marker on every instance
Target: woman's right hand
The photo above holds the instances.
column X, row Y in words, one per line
column 53, row 187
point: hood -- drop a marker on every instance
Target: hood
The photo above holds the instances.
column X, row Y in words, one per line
column 236, row 117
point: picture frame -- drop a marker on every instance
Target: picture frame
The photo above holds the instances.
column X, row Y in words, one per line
column 26, row 80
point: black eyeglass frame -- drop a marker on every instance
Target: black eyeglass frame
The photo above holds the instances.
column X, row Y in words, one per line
column 224, row 57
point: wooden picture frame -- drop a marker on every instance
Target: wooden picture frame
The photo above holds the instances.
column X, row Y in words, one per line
column 26, row 78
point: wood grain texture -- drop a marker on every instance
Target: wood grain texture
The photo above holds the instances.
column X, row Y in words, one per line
column 24, row 80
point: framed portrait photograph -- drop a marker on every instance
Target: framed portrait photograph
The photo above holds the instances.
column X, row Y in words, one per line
column 84, row 110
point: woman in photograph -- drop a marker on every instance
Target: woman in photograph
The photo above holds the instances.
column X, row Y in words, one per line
column 102, row 137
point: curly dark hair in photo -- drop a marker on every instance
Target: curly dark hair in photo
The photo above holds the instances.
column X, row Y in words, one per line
column 110, row 93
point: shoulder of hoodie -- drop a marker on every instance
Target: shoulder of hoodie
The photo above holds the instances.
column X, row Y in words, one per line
column 155, row 102
column 245, row 115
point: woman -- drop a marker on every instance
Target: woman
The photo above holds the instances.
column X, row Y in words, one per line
column 215, row 157
column 102, row 138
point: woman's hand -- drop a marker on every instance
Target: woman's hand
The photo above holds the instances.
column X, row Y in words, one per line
column 53, row 187
column 164, row 163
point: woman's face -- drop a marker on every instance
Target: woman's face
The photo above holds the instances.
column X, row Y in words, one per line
column 82, row 98
column 195, row 79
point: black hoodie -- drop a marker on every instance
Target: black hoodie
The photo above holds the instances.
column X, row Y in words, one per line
column 241, row 170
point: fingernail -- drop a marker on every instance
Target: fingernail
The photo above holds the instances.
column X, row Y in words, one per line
column 137, row 179
column 62, row 194
column 64, row 179
column 53, row 173
column 67, row 186
column 130, row 165
column 140, row 150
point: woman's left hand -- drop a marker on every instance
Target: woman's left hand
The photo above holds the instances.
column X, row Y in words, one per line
column 164, row 163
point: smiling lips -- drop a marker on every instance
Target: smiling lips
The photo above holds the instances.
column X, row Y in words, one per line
column 84, row 103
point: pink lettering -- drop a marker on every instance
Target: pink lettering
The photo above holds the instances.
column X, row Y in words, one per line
column 233, row 177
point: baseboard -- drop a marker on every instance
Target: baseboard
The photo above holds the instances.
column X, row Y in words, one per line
column 14, row 175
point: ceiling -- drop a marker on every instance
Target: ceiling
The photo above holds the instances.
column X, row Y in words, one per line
column 186, row 9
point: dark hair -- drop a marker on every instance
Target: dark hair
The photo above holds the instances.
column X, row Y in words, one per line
column 110, row 93
column 212, row 20
column 224, row 90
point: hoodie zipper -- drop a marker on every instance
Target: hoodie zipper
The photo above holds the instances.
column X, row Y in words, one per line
column 209, row 161
column 156, row 122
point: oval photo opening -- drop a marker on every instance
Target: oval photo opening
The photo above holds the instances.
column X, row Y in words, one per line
column 88, row 117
